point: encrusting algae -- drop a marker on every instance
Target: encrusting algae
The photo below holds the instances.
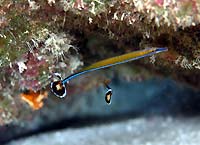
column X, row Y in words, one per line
column 34, row 99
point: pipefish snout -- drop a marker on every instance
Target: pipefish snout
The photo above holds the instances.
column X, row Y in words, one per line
column 59, row 87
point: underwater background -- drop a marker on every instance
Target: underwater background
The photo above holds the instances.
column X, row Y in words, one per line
column 155, row 100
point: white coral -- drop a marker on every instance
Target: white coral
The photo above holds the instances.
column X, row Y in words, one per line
column 184, row 63
column 75, row 63
column 51, row 2
column 21, row 66
column 58, row 44
column 33, row 5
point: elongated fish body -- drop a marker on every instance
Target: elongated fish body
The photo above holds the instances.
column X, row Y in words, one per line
column 59, row 89
column 117, row 60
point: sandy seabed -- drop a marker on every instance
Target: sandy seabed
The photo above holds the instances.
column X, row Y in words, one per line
column 138, row 131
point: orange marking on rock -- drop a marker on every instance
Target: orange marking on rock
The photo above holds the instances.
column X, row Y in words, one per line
column 34, row 99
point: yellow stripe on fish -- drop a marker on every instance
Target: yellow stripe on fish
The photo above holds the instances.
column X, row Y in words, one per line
column 120, row 59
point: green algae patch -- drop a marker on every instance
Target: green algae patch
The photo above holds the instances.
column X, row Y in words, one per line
column 13, row 40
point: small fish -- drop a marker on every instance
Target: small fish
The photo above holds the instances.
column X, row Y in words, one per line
column 59, row 87
column 108, row 94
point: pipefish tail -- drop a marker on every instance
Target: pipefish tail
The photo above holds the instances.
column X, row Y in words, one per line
column 59, row 88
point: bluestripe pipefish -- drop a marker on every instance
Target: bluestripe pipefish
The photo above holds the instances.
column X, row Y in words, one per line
column 59, row 87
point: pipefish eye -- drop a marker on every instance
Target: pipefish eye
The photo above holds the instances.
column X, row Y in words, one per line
column 59, row 88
